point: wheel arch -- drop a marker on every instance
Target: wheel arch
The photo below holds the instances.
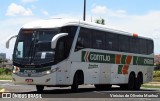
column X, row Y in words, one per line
column 80, row 74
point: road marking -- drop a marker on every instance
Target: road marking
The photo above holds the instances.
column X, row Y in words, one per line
column 7, row 84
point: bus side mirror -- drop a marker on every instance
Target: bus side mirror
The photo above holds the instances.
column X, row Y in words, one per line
column 55, row 39
column 7, row 42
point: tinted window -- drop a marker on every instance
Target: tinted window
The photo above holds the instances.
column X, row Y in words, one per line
column 142, row 46
column 111, row 41
column 134, row 45
column 150, row 46
column 84, row 39
column 98, row 39
column 89, row 38
column 65, row 43
column 124, row 43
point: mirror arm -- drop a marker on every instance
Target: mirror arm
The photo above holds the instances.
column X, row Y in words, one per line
column 55, row 39
column 7, row 43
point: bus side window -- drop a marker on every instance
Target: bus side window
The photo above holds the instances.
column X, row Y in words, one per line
column 98, row 40
column 124, row 43
column 149, row 46
column 83, row 40
column 134, row 45
column 143, row 46
column 71, row 30
column 111, row 41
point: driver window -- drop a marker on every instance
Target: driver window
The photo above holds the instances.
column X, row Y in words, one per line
column 19, row 51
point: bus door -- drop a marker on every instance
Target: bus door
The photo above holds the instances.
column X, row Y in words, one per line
column 61, row 55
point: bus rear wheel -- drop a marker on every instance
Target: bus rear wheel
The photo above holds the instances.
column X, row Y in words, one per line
column 139, row 81
column 39, row 88
column 131, row 82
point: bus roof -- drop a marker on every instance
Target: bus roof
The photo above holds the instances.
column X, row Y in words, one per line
column 58, row 22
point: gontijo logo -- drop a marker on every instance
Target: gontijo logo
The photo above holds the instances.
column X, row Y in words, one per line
column 100, row 57
column 96, row 57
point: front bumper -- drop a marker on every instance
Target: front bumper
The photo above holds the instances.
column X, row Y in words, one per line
column 49, row 79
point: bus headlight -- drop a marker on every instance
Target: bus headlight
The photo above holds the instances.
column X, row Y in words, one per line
column 46, row 72
column 50, row 71
column 16, row 69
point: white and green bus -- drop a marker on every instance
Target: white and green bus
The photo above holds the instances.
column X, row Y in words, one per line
column 63, row 52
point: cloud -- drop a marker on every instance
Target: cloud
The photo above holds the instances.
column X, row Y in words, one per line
column 44, row 12
column 18, row 10
column 99, row 10
column 28, row 1
column 103, row 10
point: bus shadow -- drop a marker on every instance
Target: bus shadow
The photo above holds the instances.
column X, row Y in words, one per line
column 81, row 90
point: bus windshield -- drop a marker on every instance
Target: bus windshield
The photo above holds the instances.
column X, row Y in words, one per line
column 34, row 46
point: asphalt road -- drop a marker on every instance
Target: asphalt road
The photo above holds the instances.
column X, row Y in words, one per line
column 85, row 91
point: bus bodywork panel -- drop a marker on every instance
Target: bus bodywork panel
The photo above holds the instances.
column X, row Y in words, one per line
column 98, row 72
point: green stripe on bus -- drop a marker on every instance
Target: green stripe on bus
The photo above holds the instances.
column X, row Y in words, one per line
column 120, row 69
column 97, row 57
column 135, row 60
column 123, row 59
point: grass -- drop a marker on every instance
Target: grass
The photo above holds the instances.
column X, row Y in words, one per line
column 5, row 73
column 150, row 86
column 156, row 79
column 5, row 77
column 156, row 73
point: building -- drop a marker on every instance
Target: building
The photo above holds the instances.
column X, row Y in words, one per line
column 3, row 56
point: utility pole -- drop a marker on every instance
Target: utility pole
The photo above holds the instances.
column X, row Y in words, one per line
column 84, row 12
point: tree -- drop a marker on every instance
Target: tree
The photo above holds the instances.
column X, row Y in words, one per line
column 0, row 60
column 100, row 21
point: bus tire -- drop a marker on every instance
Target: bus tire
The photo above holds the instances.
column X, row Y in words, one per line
column 39, row 88
column 75, row 84
column 139, row 81
column 131, row 82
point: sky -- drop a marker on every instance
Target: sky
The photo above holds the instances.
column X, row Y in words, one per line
column 134, row 16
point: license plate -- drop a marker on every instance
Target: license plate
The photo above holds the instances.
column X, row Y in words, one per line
column 29, row 80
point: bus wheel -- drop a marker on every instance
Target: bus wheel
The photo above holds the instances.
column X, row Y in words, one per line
column 131, row 82
column 139, row 81
column 74, row 86
column 39, row 88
